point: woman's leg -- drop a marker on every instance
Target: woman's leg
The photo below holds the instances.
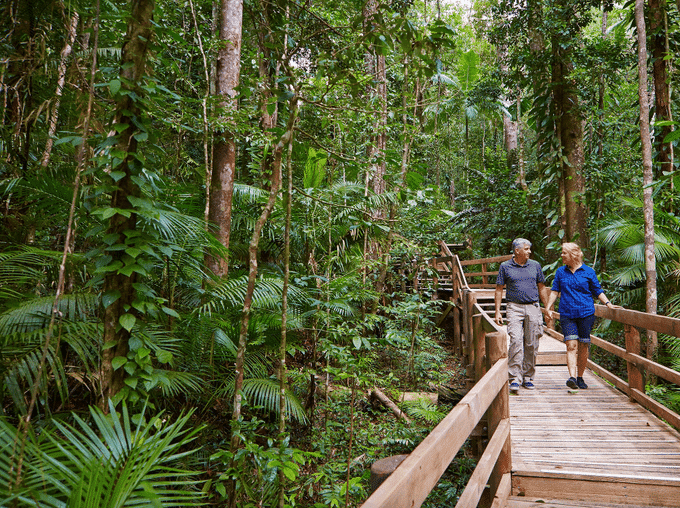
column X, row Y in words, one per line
column 585, row 325
column 570, row 332
column 572, row 356
column 583, row 350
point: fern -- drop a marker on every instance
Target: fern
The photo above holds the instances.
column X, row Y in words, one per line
column 423, row 409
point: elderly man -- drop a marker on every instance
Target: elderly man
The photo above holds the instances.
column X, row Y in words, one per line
column 525, row 285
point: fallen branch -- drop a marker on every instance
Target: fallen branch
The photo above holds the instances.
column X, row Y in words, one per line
column 377, row 394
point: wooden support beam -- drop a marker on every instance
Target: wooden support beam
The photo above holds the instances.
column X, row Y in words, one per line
column 635, row 377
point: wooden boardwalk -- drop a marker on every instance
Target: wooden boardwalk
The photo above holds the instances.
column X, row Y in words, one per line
column 594, row 445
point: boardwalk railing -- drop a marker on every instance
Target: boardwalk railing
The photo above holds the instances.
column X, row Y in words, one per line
column 484, row 345
column 417, row 475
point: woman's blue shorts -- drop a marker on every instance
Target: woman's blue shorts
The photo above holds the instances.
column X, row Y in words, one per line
column 577, row 328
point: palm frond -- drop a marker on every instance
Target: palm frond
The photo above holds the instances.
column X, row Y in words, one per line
column 117, row 465
column 266, row 392
column 20, row 359
column 35, row 313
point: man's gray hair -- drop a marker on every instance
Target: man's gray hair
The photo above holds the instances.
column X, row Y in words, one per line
column 518, row 243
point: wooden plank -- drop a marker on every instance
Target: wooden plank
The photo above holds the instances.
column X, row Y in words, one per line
column 545, row 502
column 480, row 274
column 475, row 486
column 658, row 409
column 495, row 259
column 653, row 367
column 551, row 358
column 500, row 500
column 598, row 489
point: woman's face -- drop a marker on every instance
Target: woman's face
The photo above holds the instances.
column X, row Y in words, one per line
column 566, row 257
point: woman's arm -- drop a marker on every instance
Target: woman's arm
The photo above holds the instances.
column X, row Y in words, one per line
column 551, row 301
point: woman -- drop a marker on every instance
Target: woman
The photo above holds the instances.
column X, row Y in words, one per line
column 577, row 285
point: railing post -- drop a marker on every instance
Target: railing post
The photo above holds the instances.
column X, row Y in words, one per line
column 496, row 349
column 468, row 340
column 635, row 377
column 479, row 346
column 485, row 278
column 456, row 329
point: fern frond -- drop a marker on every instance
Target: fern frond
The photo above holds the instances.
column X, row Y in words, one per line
column 423, row 409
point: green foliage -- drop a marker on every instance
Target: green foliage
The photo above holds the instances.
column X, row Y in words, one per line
column 255, row 468
column 111, row 460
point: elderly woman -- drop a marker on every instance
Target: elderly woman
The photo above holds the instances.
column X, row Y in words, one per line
column 577, row 285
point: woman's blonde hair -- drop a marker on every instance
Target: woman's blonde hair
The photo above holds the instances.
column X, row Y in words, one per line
column 574, row 251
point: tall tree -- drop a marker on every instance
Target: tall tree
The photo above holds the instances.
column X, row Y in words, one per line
column 72, row 26
column 239, row 365
column 569, row 128
column 648, row 177
column 224, row 156
column 120, row 315
column 658, row 38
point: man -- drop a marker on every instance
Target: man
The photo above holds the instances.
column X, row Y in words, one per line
column 525, row 285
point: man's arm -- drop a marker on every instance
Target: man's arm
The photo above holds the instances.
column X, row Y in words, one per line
column 497, row 297
column 543, row 293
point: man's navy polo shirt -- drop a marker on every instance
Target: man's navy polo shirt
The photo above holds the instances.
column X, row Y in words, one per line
column 521, row 281
column 577, row 291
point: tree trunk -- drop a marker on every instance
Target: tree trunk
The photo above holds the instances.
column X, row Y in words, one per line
column 571, row 141
column 224, row 156
column 648, row 202
column 61, row 80
column 662, row 90
column 133, row 69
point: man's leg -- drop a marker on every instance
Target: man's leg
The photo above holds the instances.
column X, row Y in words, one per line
column 533, row 330
column 515, row 319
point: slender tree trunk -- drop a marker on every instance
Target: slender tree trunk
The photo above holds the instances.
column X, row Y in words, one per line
column 647, row 176
column 72, row 28
column 284, row 316
column 252, row 277
column 376, row 66
column 133, row 69
column 224, row 156
column 206, row 122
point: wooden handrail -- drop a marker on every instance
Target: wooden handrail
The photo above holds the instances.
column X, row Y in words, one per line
column 495, row 259
column 416, row 476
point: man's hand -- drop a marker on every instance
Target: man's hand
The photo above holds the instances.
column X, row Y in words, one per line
column 499, row 319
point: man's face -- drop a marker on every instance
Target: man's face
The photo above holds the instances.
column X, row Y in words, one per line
column 522, row 253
